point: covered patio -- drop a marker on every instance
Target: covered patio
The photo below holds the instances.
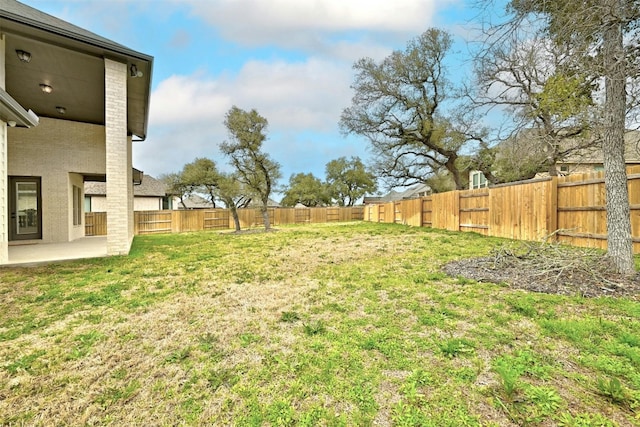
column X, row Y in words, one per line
column 71, row 104
column 24, row 255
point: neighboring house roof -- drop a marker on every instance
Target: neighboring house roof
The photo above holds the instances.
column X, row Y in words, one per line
column 418, row 190
column 150, row 187
column 589, row 155
column 193, row 201
column 255, row 203
column 76, row 54
column 389, row 197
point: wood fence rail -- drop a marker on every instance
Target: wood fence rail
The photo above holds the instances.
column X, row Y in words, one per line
column 572, row 208
column 177, row 221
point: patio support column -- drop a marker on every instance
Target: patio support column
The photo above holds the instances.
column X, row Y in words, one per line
column 4, row 171
column 118, row 154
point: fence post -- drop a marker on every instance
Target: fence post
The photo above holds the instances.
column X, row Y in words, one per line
column 175, row 217
column 456, row 208
column 552, row 209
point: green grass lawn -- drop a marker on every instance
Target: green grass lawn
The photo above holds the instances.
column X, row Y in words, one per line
column 348, row 324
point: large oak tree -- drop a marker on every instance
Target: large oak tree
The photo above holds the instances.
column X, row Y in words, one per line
column 399, row 106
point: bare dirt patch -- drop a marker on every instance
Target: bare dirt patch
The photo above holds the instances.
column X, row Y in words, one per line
column 551, row 269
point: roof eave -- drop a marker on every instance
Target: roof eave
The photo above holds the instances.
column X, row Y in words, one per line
column 13, row 113
column 101, row 43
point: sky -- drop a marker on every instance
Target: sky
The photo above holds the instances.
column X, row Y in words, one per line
column 291, row 60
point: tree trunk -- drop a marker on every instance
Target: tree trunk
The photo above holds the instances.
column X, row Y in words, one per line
column 236, row 218
column 451, row 166
column 620, row 247
column 212, row 197
column 265, row 217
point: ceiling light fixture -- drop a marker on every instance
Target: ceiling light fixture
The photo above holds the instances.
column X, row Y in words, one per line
column 61, row 110
column 23, row 55
column 134, row 72
column 46, row 88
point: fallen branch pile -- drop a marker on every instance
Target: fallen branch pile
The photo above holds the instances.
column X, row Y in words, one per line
column 548, row 268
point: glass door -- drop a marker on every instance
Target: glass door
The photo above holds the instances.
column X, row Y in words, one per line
column 25, row 208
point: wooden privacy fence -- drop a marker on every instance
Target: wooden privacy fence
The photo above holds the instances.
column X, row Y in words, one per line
column 572, row 208
column 177, row 221
column 95, row 224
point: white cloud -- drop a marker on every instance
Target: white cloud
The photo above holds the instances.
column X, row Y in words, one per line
column 302, row 96
column 325, row 15
column 187, row 100
column 300, row 24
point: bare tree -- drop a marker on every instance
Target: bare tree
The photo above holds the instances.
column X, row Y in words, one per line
column 620, row 246
column 549, row 101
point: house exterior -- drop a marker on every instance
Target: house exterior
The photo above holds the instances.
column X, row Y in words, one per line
column 477, row 180
column 149, row 195
column 71, row 103
column 257, row 204
column 592, row 160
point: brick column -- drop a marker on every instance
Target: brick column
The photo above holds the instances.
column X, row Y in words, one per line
column 118, row 153
column 4, row 181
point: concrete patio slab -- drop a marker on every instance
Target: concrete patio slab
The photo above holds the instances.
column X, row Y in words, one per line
column 42, row 253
